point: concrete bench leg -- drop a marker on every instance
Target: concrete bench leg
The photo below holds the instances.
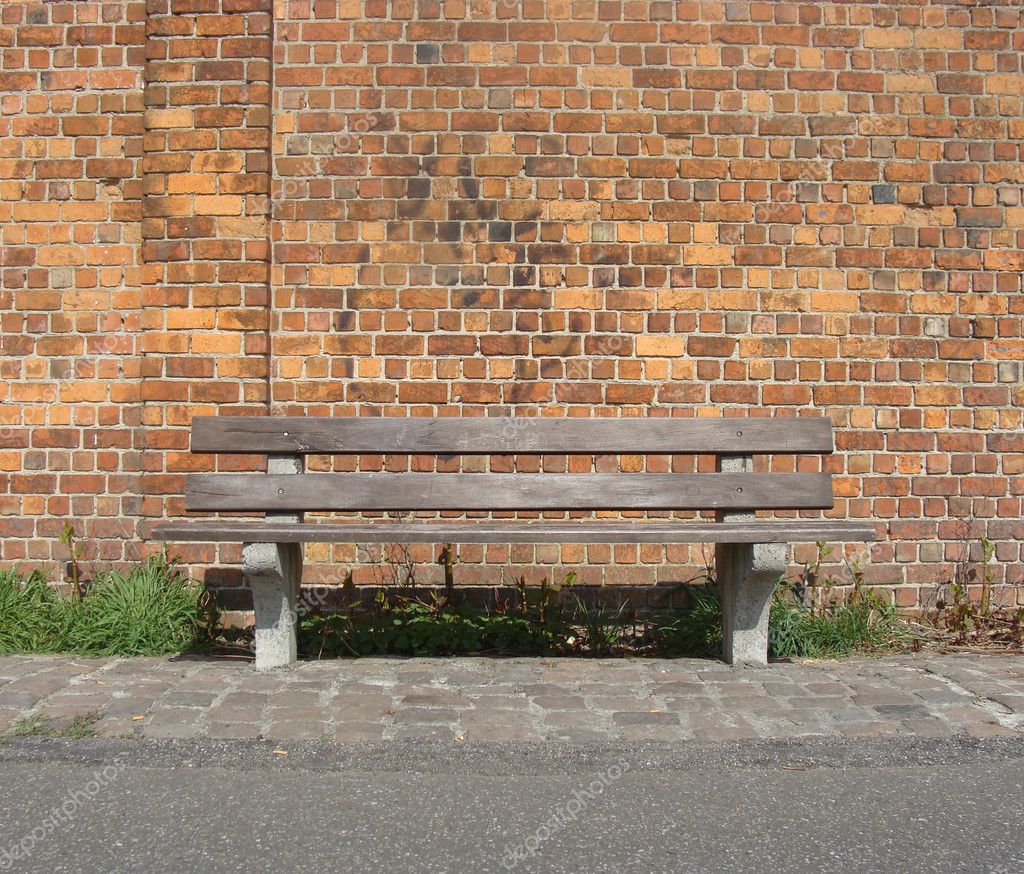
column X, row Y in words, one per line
column 274, row 571
column 747, row 574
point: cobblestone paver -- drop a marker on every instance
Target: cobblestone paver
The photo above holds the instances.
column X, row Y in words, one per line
column 479, row 699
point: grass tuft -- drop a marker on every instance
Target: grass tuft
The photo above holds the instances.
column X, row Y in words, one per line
column 152, row 610
column 864, row 622
column 30, row 726
column 31, row 613
column 80, row 726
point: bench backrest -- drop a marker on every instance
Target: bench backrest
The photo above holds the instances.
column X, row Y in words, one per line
column 279, row 436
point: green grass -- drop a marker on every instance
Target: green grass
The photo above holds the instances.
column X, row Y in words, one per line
column 30, row 726
column 151, row 610
column 32, row 614
column 154, row 610
column 861, row 622
column 424, row 629
column 80, row 726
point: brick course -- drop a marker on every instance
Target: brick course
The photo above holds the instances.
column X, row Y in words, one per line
column 536, row 207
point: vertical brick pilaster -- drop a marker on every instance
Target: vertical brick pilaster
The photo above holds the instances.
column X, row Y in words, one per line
column 205, row 225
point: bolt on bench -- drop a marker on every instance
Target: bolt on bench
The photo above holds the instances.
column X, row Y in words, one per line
column 750, row 554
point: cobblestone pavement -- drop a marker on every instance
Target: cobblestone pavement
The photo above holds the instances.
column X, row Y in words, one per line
column 527, row 699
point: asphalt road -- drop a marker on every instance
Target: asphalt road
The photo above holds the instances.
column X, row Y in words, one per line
column 857, row 806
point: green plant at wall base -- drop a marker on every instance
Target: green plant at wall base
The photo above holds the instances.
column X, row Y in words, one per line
column 695, row 632
column 961, row 621
column 413, row 627
column 151, row 610
column 864, row 621
column 67, row 537
column 32, row 614
column 539, row 625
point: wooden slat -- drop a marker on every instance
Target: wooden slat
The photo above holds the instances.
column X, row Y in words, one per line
column 485, row 436
column 487, row 491
column 798, row 531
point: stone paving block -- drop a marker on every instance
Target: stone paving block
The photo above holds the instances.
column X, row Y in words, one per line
column 502, row 732
column 177, row 731
column 115, row 727
column 18, row 700
column 359, row 712
column 297, row 730
column 645, row 718
column 496, row 717
column 224, row 713
column 928, row 728
column 579, row 735
column 425, row 716
column 867, row 729
column 1012, row 701
column 299, row 714
column 826, row 690
column 423, row 732
column 725, row 733
column 559, row 702
column 630, row 707
column 654, row 734
column 983, row 730
column 181, row 698
column 357, row 732
column 233, row 730
column 431, row 698
column 558, row 721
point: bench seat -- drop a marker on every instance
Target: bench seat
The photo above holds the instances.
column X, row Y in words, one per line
column 751, row 553
column 796, row 531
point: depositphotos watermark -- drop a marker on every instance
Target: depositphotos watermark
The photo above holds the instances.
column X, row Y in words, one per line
column 58, row 817
column 562, row 816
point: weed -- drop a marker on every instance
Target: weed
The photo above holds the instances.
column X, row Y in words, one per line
column 30, row 726
column 809, row 619
column 696, row 631
column 542, row 623
column 67, row 537
column 151, row 610
column 32, row 615
column 602, row 632
column 81, row 726
column 961, row 622
column 865, row 621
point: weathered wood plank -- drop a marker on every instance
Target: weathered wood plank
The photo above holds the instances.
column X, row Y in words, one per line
column 485, row 436
column 768, row 531
column 486, row 491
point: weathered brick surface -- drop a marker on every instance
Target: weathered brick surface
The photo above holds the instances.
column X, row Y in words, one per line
column 542, row 208
column 205, row 231
column 70, row 276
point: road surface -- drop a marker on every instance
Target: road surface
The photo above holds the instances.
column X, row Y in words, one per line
column 92, row 805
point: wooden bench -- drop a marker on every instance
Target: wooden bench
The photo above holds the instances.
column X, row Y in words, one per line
column 750, row 554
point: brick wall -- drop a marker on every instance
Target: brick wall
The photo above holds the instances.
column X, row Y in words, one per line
column 205, row 226
column 562, row 208
column 70, row 276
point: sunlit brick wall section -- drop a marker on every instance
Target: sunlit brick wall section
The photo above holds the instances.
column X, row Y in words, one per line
column 70, row 203
column 531, row 207
column 205, row 229
column 669, row 209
